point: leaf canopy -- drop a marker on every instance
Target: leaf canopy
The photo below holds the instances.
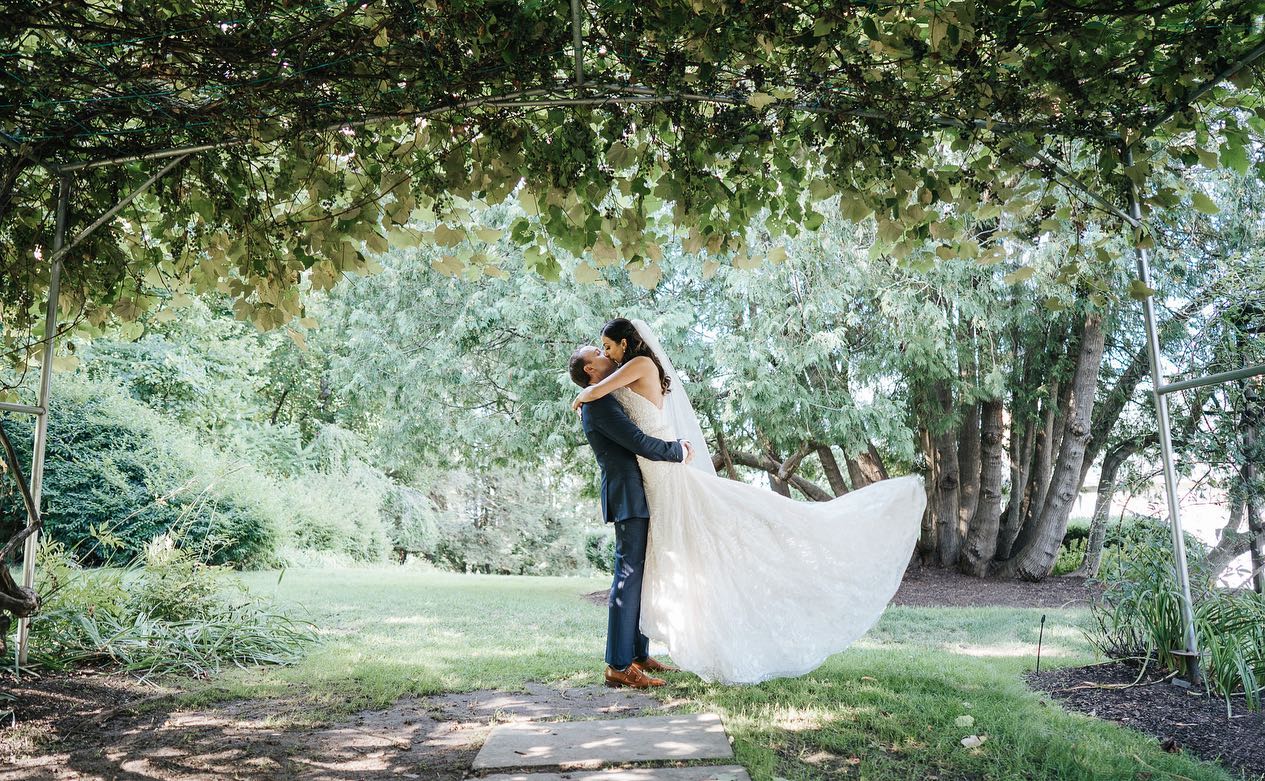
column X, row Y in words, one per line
column 324, row 128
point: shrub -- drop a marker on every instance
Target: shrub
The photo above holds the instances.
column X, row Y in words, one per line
column 1119, row 539
column 116, row 476
column 333, row 513
column 1072, row 549
column 276, row 450
column 1138, row 615
column 503, row 521
column 599, row 549
column 166, row 613
column 411, row 521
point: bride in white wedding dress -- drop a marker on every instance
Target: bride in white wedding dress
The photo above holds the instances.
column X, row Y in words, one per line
column 742, row 584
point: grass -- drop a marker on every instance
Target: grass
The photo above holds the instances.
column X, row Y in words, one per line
column 889, row 708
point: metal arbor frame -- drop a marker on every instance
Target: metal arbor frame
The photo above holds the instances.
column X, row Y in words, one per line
column 601, row 94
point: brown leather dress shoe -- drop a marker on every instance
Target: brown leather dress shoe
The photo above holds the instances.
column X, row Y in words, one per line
column 634, row 677
column 653, row 665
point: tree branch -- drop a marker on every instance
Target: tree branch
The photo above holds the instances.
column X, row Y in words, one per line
column 766, row 464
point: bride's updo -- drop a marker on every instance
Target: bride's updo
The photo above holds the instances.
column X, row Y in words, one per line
column 623, row 330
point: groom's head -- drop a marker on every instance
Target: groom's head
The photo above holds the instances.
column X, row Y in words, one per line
column 588, row 366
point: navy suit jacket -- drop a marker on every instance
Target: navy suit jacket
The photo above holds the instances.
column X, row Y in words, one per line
column 617, row 442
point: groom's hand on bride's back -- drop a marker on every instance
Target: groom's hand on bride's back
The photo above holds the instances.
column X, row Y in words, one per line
column 689, row 451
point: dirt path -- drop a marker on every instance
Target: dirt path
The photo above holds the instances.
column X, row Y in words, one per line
column 81, row 728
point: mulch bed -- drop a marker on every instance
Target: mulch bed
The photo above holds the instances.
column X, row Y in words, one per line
column 1180, row 719
column 931, row 587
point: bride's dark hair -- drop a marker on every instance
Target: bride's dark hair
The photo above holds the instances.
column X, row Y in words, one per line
column 619, row 329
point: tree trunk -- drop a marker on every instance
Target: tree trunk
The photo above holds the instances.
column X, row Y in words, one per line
column 831, row 467
column 982, row 535
column 1256, row 544
column 777, row 480
column 1046, row 448
column 875, row 464
column 1048, row 443
column 779, row 486
column 725, row 458
column 1019, row 428
column 1036, row 559
column 948, row 483
column 1020, row 468
column 969, row 434
column 867, row 467
column 969, row 466
column 1234, row 542
column 1253, row 454
column 281, row 401
column 1107, row 484
column 926, row 549
column 1109, row 408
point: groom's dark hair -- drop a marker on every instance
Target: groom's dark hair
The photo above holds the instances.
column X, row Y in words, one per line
column 579, row 362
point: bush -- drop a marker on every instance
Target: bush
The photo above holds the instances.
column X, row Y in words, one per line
column 1072, row 549
column 116, row 476
column 1138, row 615
column 276, row 450
column 505, row 522
column 411, row 521
column 334, row 513
column 599, row 549
column 1119, row 539
column 166, row 613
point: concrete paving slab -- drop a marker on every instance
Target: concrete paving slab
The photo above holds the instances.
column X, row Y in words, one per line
column 723, row 773
column 596, row 743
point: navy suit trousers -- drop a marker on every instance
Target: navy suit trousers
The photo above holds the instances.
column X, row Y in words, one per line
column 624, row 640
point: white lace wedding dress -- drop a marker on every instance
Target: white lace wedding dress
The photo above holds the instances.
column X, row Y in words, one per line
column 742, row 584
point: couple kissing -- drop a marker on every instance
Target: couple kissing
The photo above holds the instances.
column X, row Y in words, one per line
column 740, row 584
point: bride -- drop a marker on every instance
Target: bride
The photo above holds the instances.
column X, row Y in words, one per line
column 742, row 584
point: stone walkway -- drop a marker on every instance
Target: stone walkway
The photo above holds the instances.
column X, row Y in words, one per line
column 632, row 749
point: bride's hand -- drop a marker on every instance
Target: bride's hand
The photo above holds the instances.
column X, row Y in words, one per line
column 583, row 397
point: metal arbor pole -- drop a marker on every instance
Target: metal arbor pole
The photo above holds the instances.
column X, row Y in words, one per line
column 1191, row 651
column 41, row 419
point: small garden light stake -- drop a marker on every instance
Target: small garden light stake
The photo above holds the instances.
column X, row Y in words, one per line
column 1040, row 637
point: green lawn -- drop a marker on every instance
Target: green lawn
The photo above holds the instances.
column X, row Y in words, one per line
column 886, row 709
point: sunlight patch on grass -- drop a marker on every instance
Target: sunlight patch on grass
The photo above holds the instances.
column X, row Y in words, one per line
column 798, row 719
column 409, row 621
column 1015, row 650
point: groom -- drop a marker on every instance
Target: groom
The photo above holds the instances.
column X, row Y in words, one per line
column 616, row 442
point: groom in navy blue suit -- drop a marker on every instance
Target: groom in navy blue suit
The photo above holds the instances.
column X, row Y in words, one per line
column 617, row 442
